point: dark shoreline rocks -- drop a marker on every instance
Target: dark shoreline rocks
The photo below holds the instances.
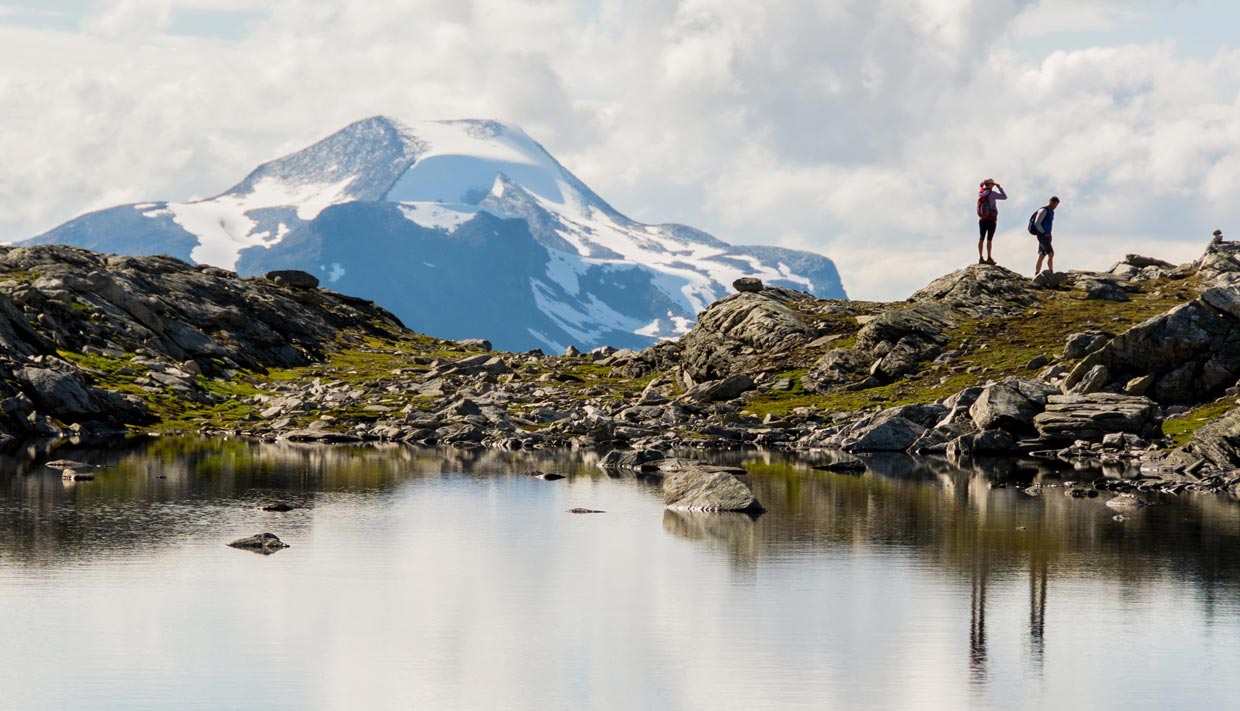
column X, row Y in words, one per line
column 93, row 344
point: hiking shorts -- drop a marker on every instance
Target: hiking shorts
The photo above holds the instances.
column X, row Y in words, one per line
column 986, row 229
column 1044, row 246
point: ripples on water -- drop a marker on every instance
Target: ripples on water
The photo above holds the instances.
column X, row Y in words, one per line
column 446, row 580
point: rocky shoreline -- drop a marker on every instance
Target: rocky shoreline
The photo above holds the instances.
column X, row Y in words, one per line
column 1134, row 369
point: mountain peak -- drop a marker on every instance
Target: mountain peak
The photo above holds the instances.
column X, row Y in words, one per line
column 384, row 203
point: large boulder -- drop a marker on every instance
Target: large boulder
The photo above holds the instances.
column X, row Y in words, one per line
column 1068, row 418
column 696, row 489
column 735, row 331
column 59, row 394
column 895, row 429
column 1010, row 405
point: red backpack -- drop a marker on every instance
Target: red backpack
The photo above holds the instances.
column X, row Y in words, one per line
column 983, row 206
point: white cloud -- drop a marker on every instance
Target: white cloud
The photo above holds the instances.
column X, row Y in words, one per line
column 855, row 129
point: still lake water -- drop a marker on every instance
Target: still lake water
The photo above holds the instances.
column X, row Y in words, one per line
column 446, row 580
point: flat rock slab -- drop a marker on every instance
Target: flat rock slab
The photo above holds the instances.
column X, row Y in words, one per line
column 696, row 489
column 264, row 543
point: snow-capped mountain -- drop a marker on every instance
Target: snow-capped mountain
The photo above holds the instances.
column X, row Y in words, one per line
column 462, row 229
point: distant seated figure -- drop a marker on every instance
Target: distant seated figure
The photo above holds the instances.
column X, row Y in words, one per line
column 1218, row 237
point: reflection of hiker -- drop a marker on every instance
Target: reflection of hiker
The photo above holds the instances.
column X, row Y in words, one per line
column 987, row 217
column 1040, row 224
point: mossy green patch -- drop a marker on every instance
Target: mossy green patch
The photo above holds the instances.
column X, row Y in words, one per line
column 1181, row 428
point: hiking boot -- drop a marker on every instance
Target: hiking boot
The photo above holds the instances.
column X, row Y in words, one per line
column 981, row 261
column 990, row 261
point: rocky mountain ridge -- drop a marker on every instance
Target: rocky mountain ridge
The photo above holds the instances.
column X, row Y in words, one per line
column 1133, row 369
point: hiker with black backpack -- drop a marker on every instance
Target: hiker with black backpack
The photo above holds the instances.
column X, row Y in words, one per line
column 988, row 217
column 1040, row 224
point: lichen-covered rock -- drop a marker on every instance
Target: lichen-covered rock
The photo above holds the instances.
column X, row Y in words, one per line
column 702, row 490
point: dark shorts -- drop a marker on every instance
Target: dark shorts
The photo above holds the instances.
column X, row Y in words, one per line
column 986, row 229
column 1044, row 246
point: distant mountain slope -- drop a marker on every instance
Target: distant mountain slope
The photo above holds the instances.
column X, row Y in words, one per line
column 462, row 229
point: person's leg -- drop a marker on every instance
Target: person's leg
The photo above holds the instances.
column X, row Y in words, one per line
column 1038, row 269
column 990, row 241
column 1050, row 259
column 981, row 237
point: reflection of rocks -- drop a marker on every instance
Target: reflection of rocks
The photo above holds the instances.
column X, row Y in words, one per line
column 264, row 543
column 736, row 531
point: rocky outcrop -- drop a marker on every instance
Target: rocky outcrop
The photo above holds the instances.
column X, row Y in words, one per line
column 733, row 332
column 164, row 318
column 696, row 489
column 979, row 290
column 889, row 346
column 1217, row 444
column 1191, row 353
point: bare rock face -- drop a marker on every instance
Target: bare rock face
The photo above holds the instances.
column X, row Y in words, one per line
column 264, row 543
column 694, row 489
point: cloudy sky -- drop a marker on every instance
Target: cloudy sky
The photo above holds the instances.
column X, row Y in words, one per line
column 855, row 128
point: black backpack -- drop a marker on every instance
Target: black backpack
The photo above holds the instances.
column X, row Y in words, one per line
column 1033, row 226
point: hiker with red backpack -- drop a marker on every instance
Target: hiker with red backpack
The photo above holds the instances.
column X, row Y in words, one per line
column 988, row 217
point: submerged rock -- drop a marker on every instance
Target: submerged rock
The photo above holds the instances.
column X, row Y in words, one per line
column 277, row 507
column 701, row 490
column 265, row 543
